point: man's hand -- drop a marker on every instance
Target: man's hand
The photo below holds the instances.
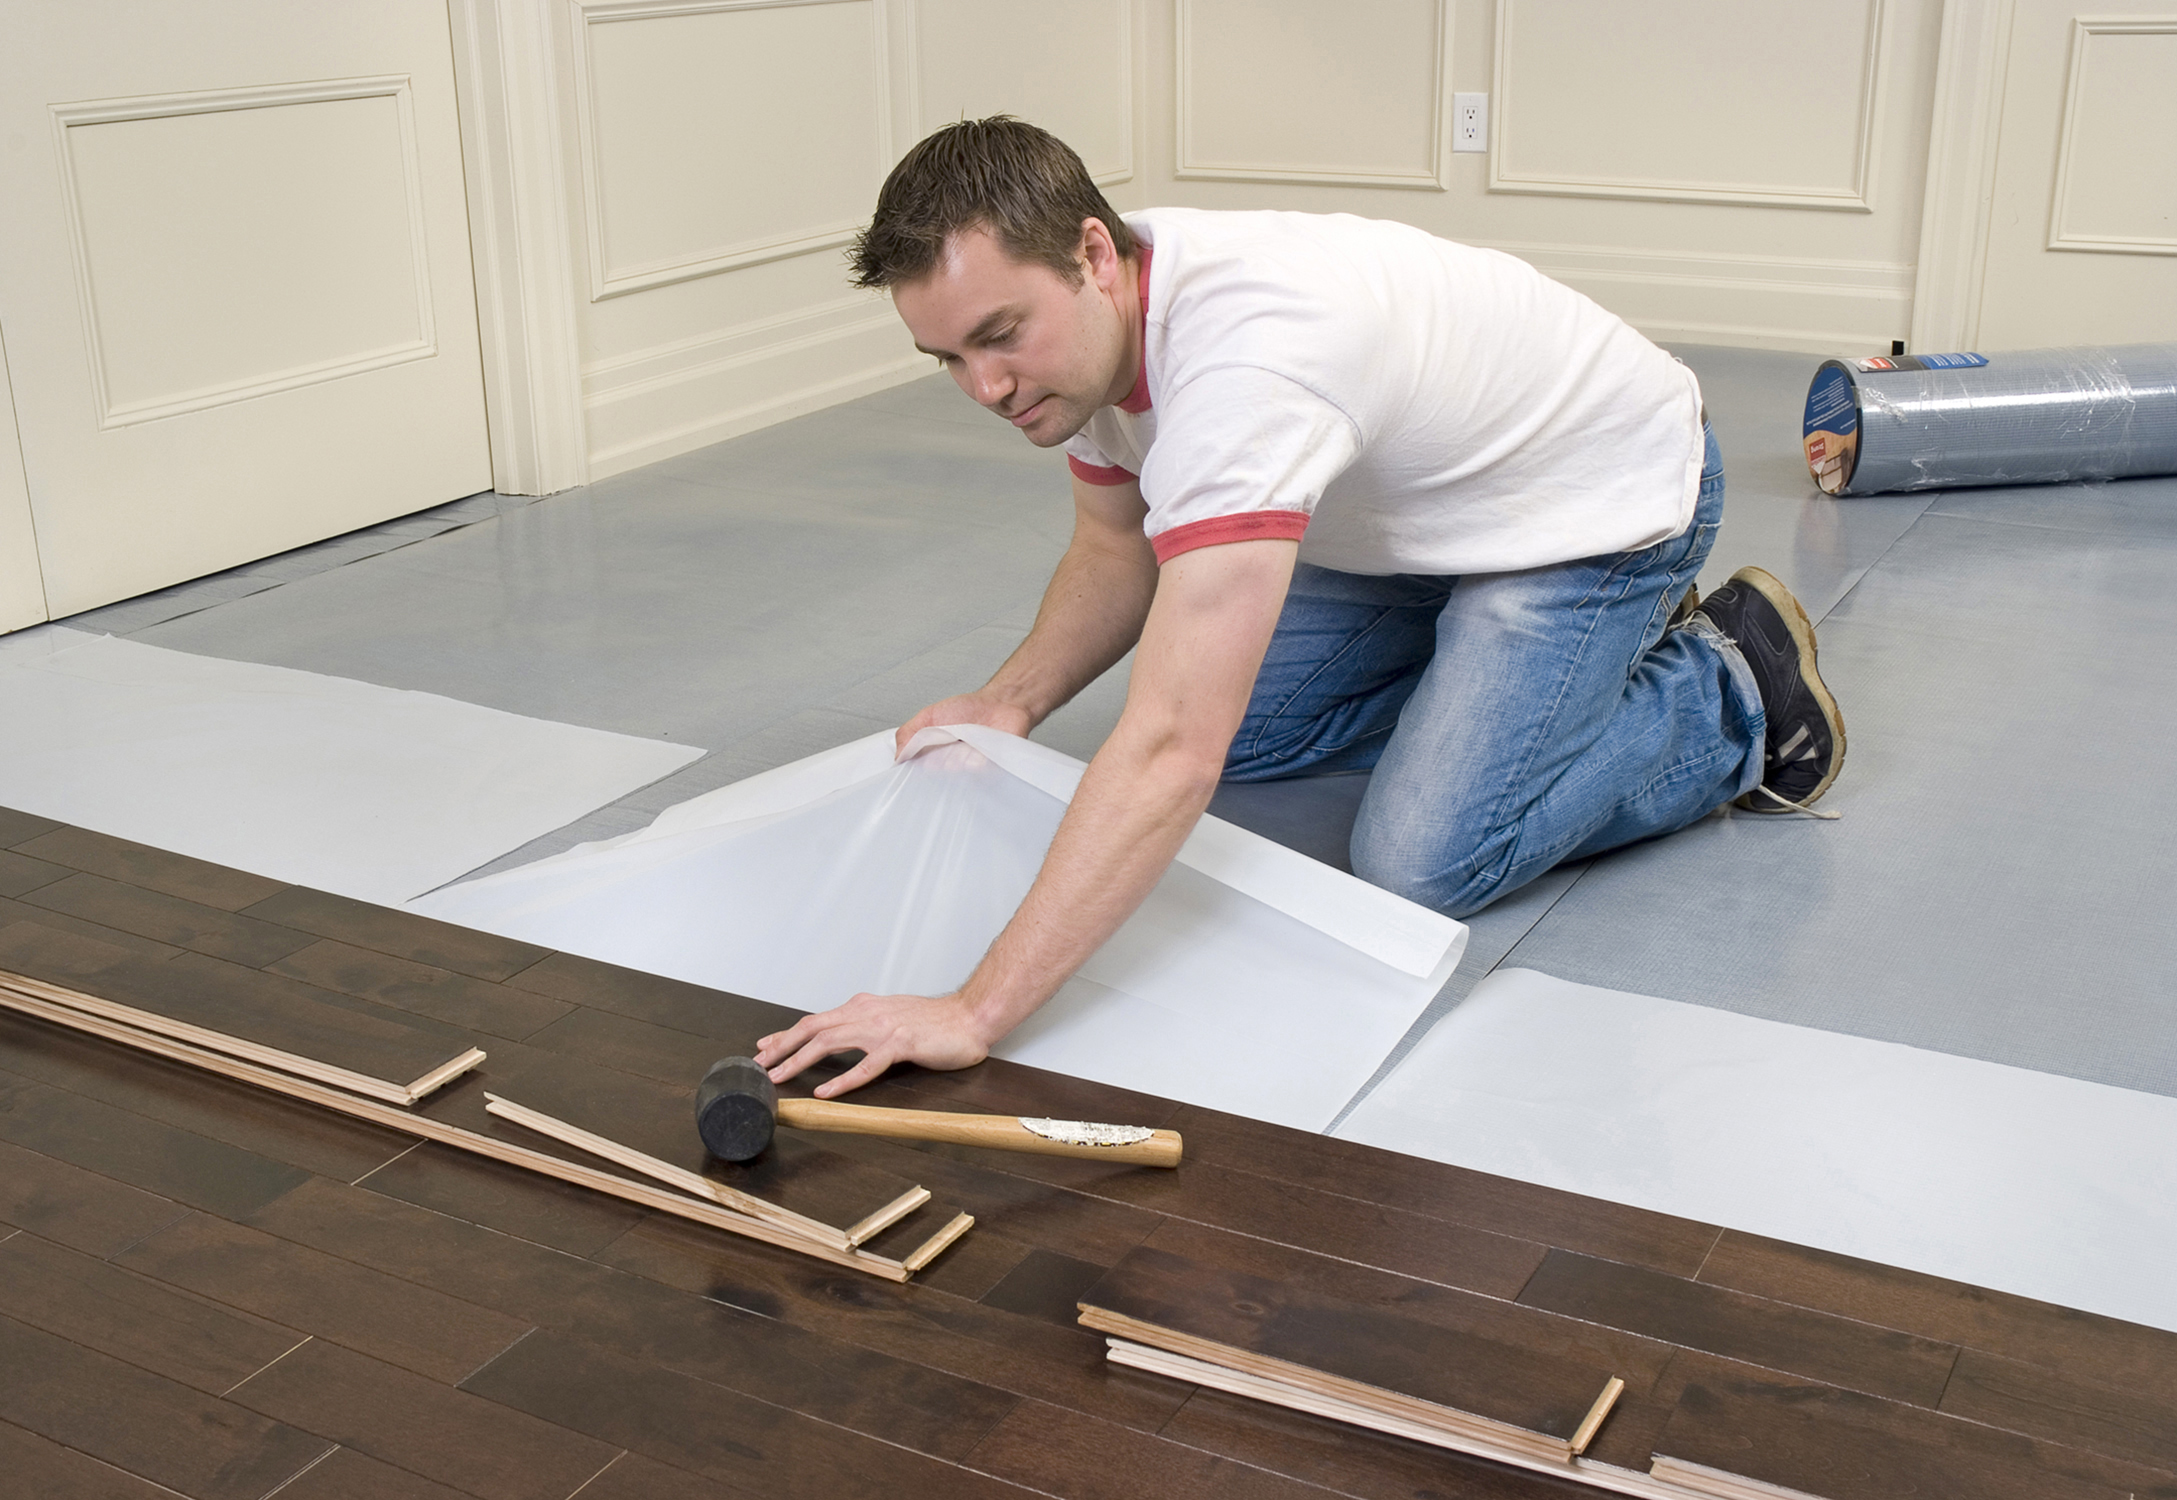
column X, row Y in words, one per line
column 936, row 1031
column 966, row 708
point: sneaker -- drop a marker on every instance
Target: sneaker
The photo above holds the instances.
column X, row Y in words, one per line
column 1805, row 743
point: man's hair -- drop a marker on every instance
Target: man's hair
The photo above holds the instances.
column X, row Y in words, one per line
column 1021, row 183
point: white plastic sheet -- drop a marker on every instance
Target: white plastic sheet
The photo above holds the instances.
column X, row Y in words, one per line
column 1253, row 979
column 2024, row 1182
column 362, row 790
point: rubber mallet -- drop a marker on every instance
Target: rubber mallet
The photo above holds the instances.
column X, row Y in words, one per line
column 736, row 1110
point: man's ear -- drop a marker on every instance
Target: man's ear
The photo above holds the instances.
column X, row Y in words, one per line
column 1099, row 256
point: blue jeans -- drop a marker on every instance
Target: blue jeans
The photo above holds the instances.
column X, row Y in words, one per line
column 1514, row 720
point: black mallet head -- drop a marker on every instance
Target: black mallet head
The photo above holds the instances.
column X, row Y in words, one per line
column 735, row 1109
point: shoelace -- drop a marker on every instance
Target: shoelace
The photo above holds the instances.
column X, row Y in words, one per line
column 1783, row 801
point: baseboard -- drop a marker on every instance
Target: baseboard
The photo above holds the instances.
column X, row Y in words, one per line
column 1744, row 301
column 678, row 397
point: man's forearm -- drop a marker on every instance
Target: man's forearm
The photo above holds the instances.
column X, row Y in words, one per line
column 1091, row 615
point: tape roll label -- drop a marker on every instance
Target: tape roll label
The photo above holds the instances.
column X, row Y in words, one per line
column 1832, row 427
column 1919, row 362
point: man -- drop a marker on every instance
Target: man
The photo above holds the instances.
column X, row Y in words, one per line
column 1357, row 497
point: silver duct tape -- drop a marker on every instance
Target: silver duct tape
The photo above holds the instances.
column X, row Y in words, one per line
column 2032, row 416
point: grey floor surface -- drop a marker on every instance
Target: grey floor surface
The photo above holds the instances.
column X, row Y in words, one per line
column 2000, row 885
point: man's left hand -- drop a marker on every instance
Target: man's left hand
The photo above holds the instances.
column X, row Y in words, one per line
column 937, row 1031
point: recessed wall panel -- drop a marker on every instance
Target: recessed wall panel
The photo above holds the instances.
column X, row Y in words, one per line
column 1068, row 68
column 1313, row 93
column 2117, row 174
column 721, row 134
column 227, row 252
column 1745, row 101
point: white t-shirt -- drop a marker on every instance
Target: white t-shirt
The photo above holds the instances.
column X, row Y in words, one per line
column 1396, row 402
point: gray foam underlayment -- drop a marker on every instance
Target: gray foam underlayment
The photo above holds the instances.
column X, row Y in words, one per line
column 2000, row 886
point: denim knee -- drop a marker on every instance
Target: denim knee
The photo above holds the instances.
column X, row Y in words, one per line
column 1427, row 877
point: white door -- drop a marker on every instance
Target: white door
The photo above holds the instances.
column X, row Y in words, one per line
column 2082, row 233
column 234, row 280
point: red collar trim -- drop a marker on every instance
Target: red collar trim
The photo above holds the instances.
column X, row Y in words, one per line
column 1137, row 400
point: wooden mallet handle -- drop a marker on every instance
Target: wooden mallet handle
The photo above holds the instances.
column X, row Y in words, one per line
column 1001, row 1132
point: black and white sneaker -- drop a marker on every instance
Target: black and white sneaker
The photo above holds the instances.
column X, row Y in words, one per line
column 1805, row 744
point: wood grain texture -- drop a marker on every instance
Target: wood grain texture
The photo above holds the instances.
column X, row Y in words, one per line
column 1056, row 1451
column 2136, row 1422
column 143, row 1423
column 1365, row 1345
column 423, row 1426
column 1738, row 1326
column 20, row 873
column 461, row 1000
column 508, row 1199
column 480, row 955
column 41, row 1467
column 74, row 1207
column 193, row 880
column 631, row 1476
column 344, row 1474
column 168, row 919
column 21, row 827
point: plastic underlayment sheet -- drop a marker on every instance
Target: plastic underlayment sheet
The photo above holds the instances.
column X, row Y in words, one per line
column 1253, row 979
column 362, row 790
column 2024, row 1182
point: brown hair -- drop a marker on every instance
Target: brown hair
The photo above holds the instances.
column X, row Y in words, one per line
column 1023, row 184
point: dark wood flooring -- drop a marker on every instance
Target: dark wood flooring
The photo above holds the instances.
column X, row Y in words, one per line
column 224, row 1293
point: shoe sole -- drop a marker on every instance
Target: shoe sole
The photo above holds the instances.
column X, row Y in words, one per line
column 1771, row 588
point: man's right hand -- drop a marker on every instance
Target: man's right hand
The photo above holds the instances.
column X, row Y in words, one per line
column 966, row 708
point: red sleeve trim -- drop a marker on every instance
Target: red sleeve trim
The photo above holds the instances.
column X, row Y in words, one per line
column 1249, row 526
column 1092, row 474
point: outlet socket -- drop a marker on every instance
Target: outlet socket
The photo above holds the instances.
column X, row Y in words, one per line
column 1470, row 122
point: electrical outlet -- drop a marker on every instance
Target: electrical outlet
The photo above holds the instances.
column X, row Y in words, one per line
column 1470, row 122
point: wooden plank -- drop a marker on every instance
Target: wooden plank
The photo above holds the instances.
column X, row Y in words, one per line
column 2136, row 1422
column 1722, row 1437
column 20, row 873
column 417, row 1124
column 171, row 874
column 143, row 1423
column 41, row 1467
column 68, row 1205
column 691, row 1424
column 422, row 1425
column 21, row 827
column 423, row 940
column 344, row 1474
column 524, row 1204
column 168, row 919
column 1695, row 1315
column 269, row 1020
column 1059, row 1452
column 421, row 990
column 1369, row 1356
column 117, row 1312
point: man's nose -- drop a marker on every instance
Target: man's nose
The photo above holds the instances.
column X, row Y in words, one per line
column 989, row 382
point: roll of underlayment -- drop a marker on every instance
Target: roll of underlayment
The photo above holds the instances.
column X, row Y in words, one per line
column 2031, row 416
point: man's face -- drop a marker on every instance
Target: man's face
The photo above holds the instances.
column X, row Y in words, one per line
column 1041, row 354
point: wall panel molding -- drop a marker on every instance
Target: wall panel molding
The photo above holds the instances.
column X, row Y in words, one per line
column 1749, row 301
column 1856, row 195
column 2063, row 211
column 674, row 397
column 1432, row 172
column 609, row 278
column 1954, row 219
column 520, row 230
column 68, row 118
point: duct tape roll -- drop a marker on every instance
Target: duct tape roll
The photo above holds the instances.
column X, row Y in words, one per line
column 2032, row 416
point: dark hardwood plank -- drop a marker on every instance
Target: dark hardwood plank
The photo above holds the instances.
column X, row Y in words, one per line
column 1612, row 1231
column 37, row 1466
column 151, row 1326
column 1060, row 1452
column 917, row 1322
column 70, row 1206
column 709, row 1430
column 411, row 1326
column 20, row 873
column 2135, row 1422
column 634, row 1477
column 420, row 989
column 12, row 912
column 220, row 1109
column 1352, row 1460
column 2083, row 1345
column 524, row 1204
column 1805, row 1440
column 168, row 919
column 1693, row 1314
column 21, row 827
column 488, row 1450
column 1046, row 1285
column 733, row 1019
column 648, row 1322
column 1370, row 1344
column 345, row 1474
column 141, row 1422
column 178, row 1164
column 401, row 934
column 643, row 1048
column 194, row 880
column 241, row 1002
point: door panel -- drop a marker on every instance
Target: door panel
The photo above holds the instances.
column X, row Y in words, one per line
column 236, row 285
column 22, row 597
